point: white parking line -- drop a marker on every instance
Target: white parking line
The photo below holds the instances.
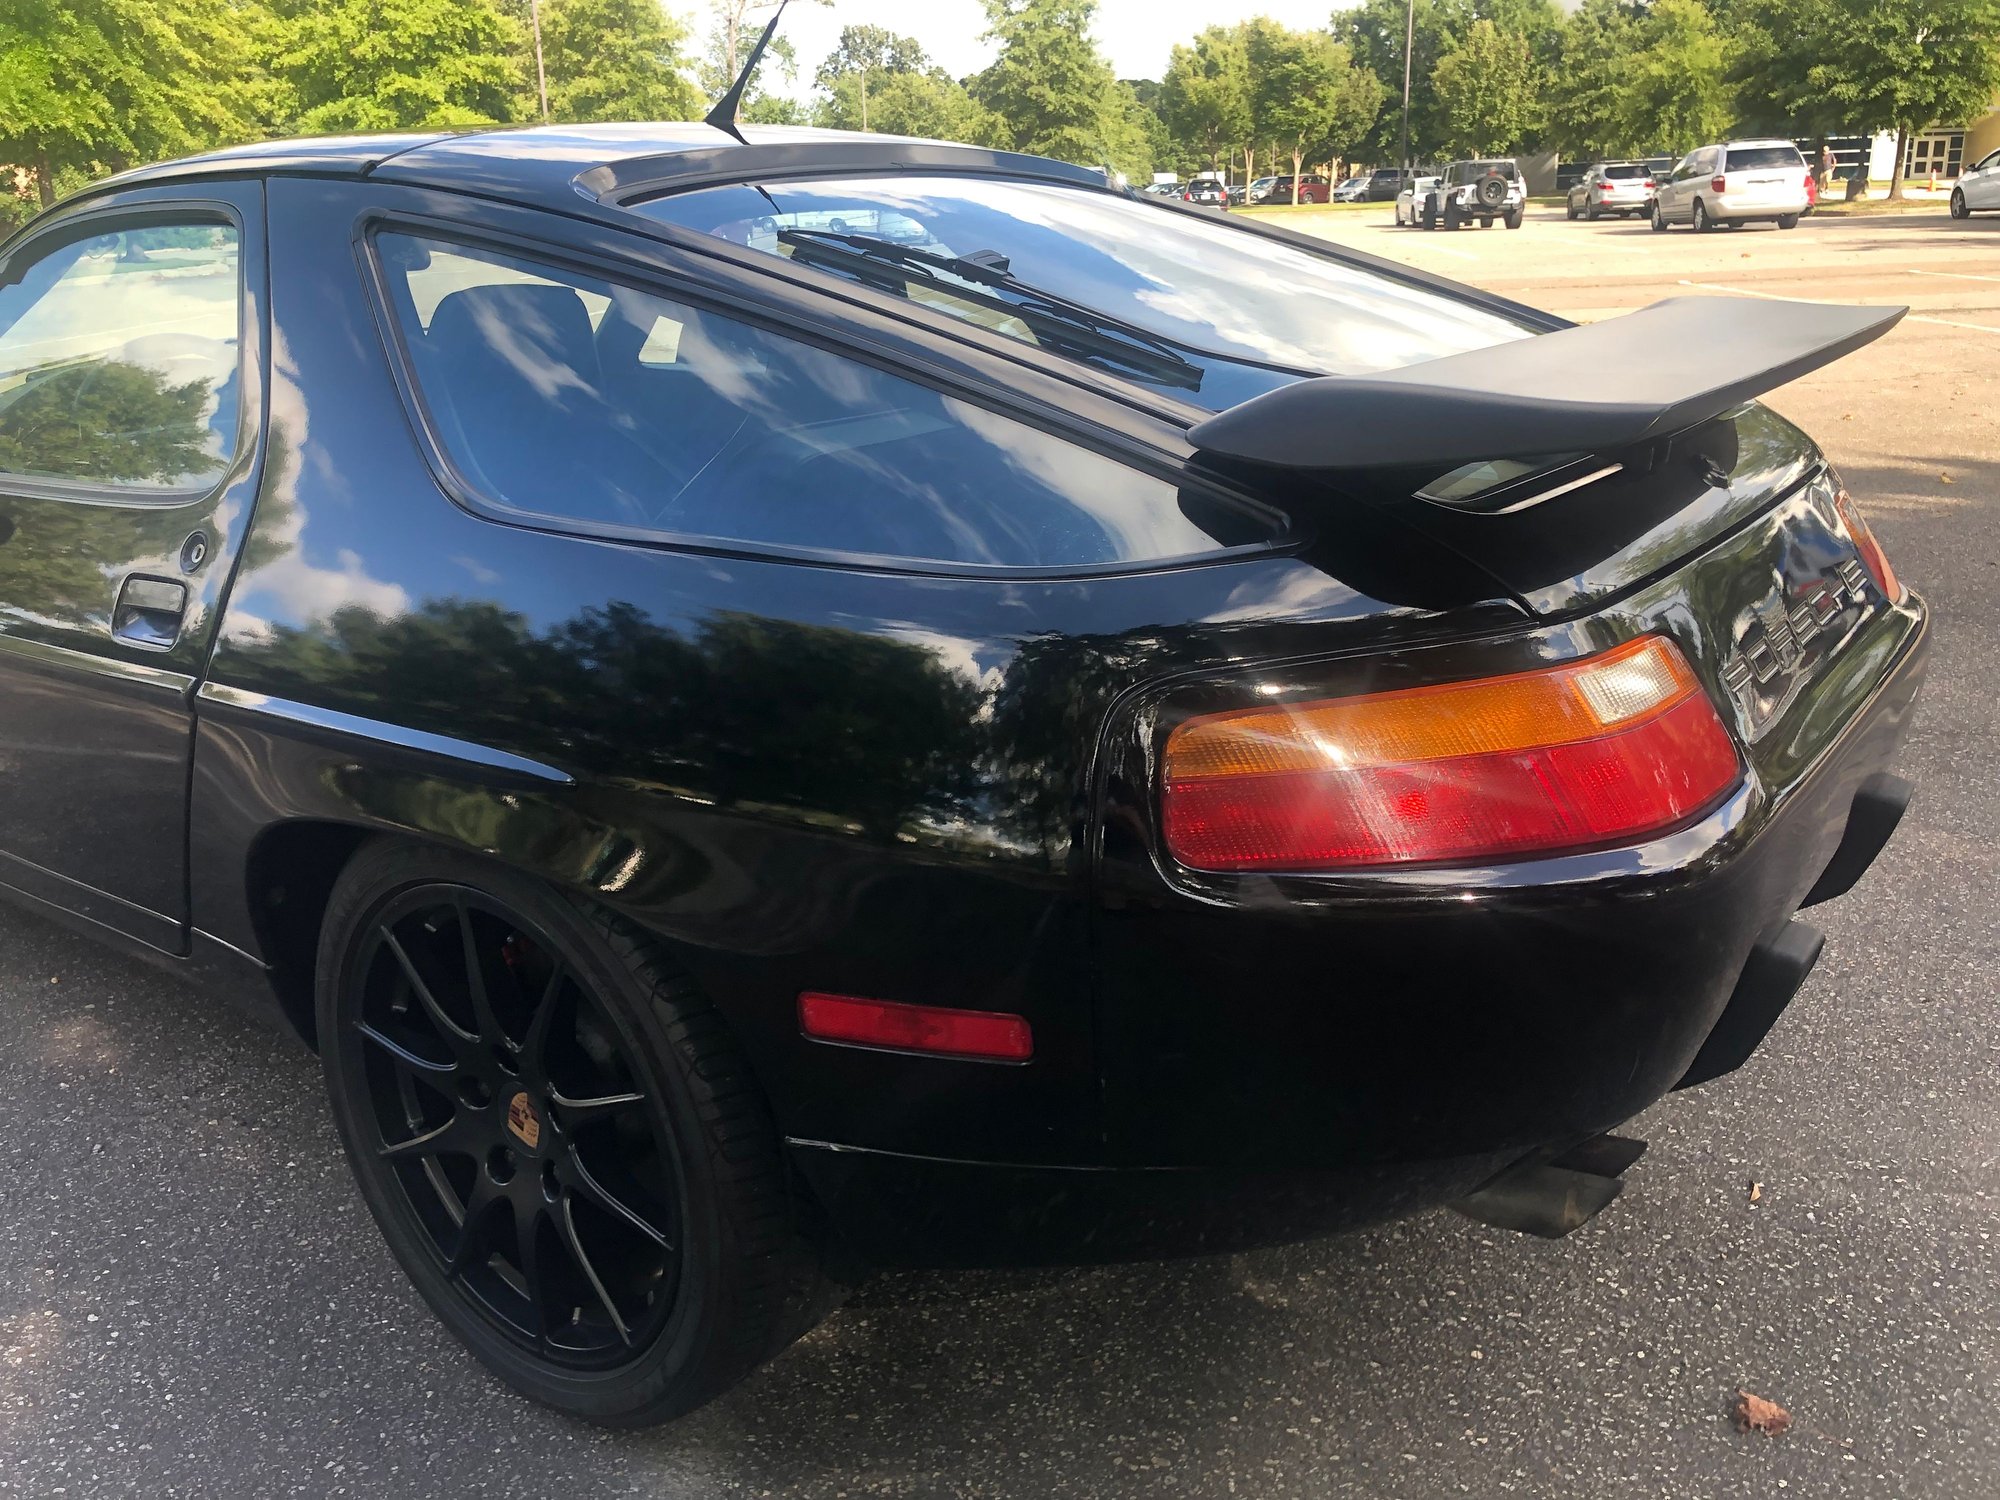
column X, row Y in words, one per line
column 1744, row 291
column 1955, row 275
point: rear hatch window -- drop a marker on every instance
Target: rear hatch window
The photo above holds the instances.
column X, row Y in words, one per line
column 1210, row 312
column 1626, row 170
column 1751, row 158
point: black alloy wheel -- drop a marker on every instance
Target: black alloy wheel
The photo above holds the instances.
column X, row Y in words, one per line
column 522, row 1104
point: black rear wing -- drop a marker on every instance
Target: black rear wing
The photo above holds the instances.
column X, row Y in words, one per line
column 1588, row 389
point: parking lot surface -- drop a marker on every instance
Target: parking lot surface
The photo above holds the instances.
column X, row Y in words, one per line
column 194, row 1302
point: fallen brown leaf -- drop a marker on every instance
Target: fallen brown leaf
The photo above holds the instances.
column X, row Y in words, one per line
column 1755, row 1414
column 1756, row 1191
column 1947, row 478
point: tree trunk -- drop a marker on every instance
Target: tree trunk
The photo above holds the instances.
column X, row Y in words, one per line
column 45, row 180
column 1298, row 175
column 1896, row 173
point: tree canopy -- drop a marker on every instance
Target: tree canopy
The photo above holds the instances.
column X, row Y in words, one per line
column 1486, row 94
column 616, row 60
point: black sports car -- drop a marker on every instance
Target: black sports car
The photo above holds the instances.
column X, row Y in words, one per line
column 774, row 706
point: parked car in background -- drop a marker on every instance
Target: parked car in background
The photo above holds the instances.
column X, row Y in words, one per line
column 1351, row 191
column 1624, row 188
column 1385, row 182
column 1206, row 190
column 1409, row 202
column 1978, row 187
column 1309, row 189
column 1164, row 189
column 1734, row 183
column 1239, row 192
column 1485, row 189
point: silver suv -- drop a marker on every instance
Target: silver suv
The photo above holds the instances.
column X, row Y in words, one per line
column 1736, row 183
column 1485, row 190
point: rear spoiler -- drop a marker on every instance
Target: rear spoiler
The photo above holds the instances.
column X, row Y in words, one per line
column 1586, row 389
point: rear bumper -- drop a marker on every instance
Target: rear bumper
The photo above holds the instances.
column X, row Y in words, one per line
column 1751, row 210
column 1378, row 1062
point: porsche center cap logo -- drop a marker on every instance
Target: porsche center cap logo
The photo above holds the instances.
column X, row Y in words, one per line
column 524, row 1122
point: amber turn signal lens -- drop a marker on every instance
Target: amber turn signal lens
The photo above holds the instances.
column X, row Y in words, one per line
column 1599, row 751
column 1873, row 558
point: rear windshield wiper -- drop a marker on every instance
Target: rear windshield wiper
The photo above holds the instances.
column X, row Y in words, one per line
column 1082, row 329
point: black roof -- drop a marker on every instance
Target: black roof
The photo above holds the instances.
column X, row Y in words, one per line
column 550, row 166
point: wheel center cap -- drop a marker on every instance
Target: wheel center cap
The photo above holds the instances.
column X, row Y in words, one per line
column 523, row 1123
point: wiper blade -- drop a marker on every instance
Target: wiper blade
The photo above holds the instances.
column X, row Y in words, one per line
column 1083, row 328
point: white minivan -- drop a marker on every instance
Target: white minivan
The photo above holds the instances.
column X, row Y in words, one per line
column 1735, row 183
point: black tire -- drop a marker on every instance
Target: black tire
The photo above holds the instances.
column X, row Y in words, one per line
column 1451, row 218
column 1486, row 221
column 1700, row 218
column 1959, row 208
column 1572, row 210
column 1788, row 221
column 1659, row 218
column 1491, row 192
column 1590, row 212
column 1512, row 218
column 696, row 1174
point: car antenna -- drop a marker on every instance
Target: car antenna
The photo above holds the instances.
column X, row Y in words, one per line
column 723, row 115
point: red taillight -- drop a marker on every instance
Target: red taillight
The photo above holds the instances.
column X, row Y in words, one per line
column 984, row 1034
column 1718, row 184
column 1873, row 558
column 1650, row 183
column 1600, row 751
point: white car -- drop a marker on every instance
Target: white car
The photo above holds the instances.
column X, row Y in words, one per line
column 1351, row 190
column 1735, row 183
column 1978, row 187
column 1409, row 202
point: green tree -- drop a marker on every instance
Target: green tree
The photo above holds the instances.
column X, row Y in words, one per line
column 1308, row 98
column 91, row 85
column 402, row 64
column 1589, row 113
column 1676, row 80
column 1898, row 65
column 877, row 80
column 1486, row 93
column 616, row 60
column 1205, row 95
column 1050, row 88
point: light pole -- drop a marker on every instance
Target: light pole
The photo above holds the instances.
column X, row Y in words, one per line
column 542, row 79
column 1409, row 45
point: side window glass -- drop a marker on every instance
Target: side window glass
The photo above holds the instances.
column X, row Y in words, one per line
column 562, row 397
column 119, row 359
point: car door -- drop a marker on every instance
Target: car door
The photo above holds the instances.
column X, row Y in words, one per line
column 1685, row 181
column 131, row 403
column 1981, row 185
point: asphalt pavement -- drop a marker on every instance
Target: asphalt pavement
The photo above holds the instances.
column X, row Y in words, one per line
column 194, row 1302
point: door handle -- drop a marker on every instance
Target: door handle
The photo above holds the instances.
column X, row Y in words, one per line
column 150, row 612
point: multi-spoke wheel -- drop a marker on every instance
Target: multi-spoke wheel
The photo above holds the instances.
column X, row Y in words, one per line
column 532, row 1107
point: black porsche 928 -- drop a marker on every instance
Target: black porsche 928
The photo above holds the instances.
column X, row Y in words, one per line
column 770, row 707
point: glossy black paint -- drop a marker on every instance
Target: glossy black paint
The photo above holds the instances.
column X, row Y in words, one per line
column 98, row 728
column 939, row 788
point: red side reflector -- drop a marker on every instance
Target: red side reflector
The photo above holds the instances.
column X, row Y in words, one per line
column 1600, row 751
column 916, row 1028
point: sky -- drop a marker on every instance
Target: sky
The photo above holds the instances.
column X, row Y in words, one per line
column 1137, row 35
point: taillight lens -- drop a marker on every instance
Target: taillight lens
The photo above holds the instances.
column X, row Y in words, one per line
column 1873, row 558
column 1719, row 184
column 1599, row 751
